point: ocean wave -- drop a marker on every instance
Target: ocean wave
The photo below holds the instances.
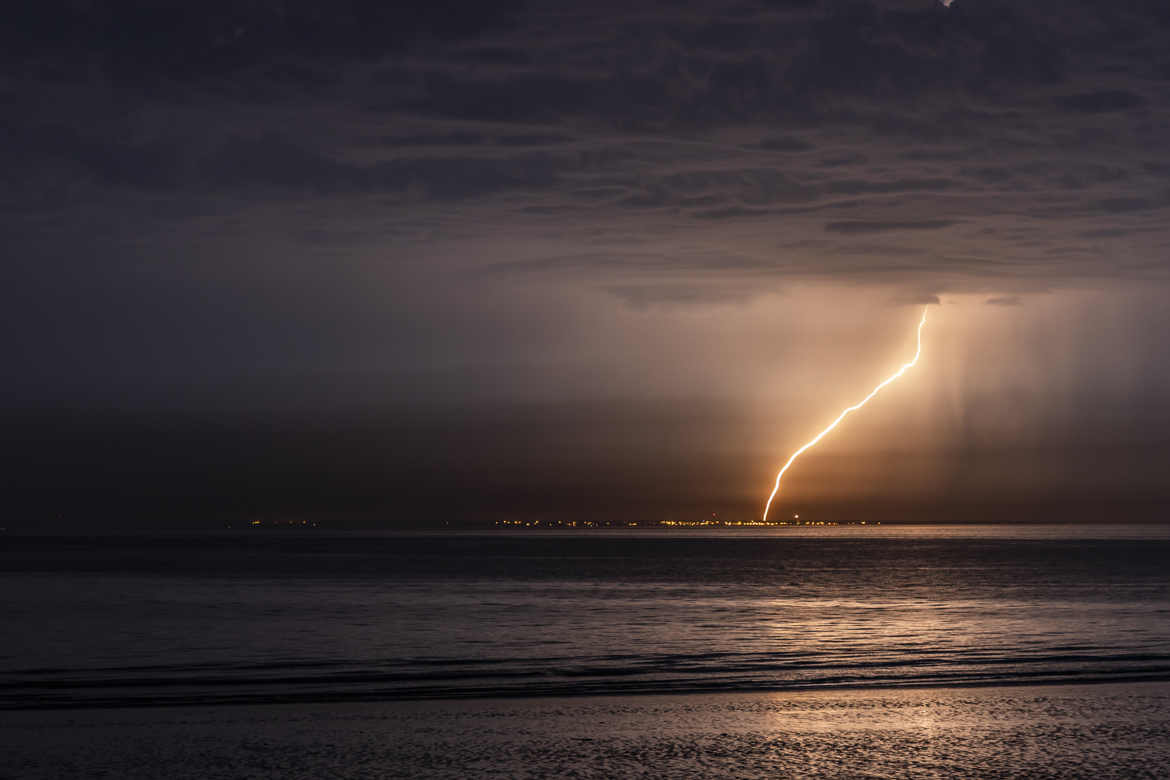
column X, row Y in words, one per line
column 437, row 678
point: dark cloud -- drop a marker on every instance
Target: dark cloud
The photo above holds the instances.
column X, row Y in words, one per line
column 863, row 48
column 645, row 126
column 861, row 227
column 524, row 97
column 497, row 55
column 859, row 187
column 786, row 144
column 937, row 155
column 1101, row 102
column 534, row 139
column 458, row 177
column 275, row 162
column 1004, row 300
column 732, row 212
column 144, row 41
column 791, row 3
column 644, row 296
column 992, row 174
column 453, row 138
column 754, row 186
column 1103, row 233
column 1125, row 204
column 837, row 161
column 917, row 299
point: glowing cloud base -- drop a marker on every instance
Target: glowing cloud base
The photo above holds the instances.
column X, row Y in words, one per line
column 905, row 367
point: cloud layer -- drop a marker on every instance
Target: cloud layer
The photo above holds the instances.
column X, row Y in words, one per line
column 584, row 213
column 370, row 166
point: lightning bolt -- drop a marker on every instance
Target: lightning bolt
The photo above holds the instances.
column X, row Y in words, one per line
column 905, row 367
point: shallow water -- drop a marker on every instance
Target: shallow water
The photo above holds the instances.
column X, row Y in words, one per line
column 1090, row 731
column 301, row 617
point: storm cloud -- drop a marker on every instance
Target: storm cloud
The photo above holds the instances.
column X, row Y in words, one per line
column 275, row 206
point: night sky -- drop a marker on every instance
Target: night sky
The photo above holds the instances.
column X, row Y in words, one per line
column 456, row 262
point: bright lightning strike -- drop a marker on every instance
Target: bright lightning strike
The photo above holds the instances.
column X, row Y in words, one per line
column 905, row 367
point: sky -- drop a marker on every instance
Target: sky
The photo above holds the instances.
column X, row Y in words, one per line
column 459, row 261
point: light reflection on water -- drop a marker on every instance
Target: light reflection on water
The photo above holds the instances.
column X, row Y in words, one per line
column 375, row 616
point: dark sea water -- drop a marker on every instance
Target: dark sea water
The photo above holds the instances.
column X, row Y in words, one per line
column 290, row 617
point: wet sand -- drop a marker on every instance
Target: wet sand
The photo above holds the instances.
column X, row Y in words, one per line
column 1109, row 730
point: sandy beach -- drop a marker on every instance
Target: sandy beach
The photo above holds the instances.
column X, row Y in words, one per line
column 1111, row 730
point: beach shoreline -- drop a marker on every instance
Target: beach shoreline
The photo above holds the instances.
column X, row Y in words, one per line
column 29, row 701
column 1099, row 730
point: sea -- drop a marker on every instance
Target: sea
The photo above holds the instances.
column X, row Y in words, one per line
column 269, row 616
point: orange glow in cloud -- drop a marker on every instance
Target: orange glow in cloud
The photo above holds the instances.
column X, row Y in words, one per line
column 905, row 367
